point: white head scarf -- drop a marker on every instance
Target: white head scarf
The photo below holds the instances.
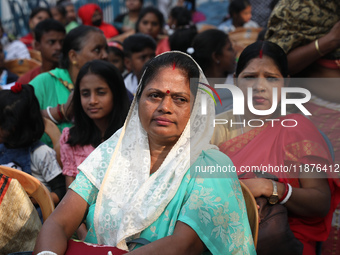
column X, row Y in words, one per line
column 129, row 199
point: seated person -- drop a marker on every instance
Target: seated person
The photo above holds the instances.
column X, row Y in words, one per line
column 239, row 16
column 21, row 127
column 92, row 15
column 284, row 142
column 49, row 36
column 138, row 49
column 6, row 77
column 140, row 183
column 116, row 55
column 38, row 14
column 151, row 22
column 127, row 21
column 54, row 88
column 13, row 48
column 71, row 15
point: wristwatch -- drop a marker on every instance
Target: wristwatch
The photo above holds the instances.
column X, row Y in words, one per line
column 274, row 198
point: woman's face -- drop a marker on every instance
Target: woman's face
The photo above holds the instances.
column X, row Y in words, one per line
column 94, row 47
column 262, row 75
column 164, row 106
column 40, row 16
column 149, row 25
column 96, row 97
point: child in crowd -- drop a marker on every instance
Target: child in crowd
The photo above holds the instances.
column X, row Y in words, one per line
column 21, row 127
column 127, row 21
column 116, row 55
column 37, row 15
column 6, row 76
column 239, row 16
column 138, row 49
column 100, row 105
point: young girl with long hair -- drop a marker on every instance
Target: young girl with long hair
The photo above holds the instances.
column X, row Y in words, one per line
column 100, row 105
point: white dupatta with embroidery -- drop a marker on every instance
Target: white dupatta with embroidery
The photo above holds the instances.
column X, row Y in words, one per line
column 129, row 199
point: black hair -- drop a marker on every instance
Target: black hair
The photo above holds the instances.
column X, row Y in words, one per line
column 85, row 131
column 21, row 117
column 236, row 6
column 182, row 38
column 35, row 11
column 181, row 15
column 61, row 9
column 168, row 59
column 138, row 42
column 46, row 26
column 206, row 43
column 75, row 40
column 150, row 9
column 266, row 48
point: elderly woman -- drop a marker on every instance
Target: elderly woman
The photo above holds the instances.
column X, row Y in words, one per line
column 138, row 183
column 309, row 196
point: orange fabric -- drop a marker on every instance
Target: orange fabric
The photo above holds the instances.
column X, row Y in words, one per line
column 86, row 12
column 288, row 146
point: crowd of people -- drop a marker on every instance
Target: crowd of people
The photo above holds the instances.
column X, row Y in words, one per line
column 139, row 110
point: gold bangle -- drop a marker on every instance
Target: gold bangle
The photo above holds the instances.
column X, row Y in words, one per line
column 317, row 47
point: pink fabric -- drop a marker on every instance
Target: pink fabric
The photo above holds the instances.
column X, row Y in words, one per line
column 72, row 157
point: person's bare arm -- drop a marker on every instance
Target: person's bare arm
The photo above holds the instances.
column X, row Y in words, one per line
column 311, row 200
column 69, row 180
column 61, row 224
column 303, row 56
column 183, row 241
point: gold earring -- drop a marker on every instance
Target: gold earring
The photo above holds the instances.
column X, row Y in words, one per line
column 74, row 62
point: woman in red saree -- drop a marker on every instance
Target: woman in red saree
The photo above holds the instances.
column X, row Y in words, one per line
column 284, row 148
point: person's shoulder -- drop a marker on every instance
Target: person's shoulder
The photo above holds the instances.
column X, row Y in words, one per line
column 216, row 156
column 251, row 24
column 40, row 77
column 120, row 17
column 299, row 125
column 29, row 76
column 300, row 119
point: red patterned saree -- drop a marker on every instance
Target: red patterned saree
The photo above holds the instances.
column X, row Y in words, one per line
column 275, row 149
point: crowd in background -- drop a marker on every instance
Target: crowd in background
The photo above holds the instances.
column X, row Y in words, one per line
column 89, row 72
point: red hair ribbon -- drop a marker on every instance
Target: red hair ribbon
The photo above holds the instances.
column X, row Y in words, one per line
column 16, row 88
